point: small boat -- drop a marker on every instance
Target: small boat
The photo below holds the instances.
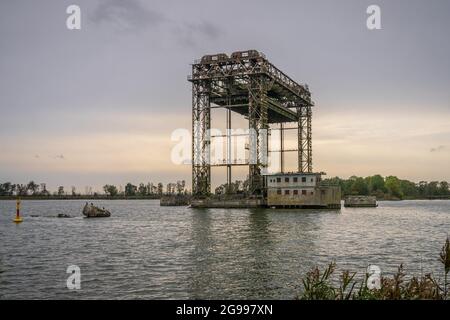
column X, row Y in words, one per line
column 91, row 211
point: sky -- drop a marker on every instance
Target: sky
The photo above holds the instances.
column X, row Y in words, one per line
column 98, row 105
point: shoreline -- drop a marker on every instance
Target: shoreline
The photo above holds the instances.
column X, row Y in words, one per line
column 158, row 198
column 78, row 198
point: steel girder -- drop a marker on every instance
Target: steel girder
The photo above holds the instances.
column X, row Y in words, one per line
column 252, row 83
column 304, row 139
column 258, row 133
column 201, row 125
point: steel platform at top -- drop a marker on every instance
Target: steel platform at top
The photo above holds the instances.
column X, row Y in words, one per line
column 229, row 78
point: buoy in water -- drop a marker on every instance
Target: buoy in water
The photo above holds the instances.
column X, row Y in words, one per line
column 18, row 218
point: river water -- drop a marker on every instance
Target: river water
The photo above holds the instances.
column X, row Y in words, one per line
column 144, row 251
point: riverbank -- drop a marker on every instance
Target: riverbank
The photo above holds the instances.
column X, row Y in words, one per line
column 158, row 197
column 81, row 197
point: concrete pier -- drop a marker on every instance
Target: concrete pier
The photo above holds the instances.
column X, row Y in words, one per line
column 360, row 201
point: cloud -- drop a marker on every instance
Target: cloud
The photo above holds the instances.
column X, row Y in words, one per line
column 190, row 33
column 128, row 15
column 437, row 149
column 204, row 28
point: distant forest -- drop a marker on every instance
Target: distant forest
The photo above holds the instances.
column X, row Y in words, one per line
column 143, row 190
column 391, row 187
column 384, row 188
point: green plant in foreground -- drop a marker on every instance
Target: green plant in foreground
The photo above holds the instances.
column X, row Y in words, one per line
column 318, row 285
column 444, row 257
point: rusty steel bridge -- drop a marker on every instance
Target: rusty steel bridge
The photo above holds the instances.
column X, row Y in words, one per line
column 248, row 84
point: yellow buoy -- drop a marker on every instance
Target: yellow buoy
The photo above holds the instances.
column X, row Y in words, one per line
column 18, row 218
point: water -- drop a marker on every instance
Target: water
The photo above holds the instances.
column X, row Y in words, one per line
column 149, row 252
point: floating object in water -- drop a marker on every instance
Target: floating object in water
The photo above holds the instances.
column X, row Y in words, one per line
column 91, row 211
column 18, row 218
column 63, row 215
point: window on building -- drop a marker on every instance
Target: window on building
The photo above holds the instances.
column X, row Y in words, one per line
column 304, row 192
column 295, row 192
column 323, row 192
column 295, row 179
column 286, row 179
column 312, row 180
column 286, row 192
column 312, row 193
column 278, row 179
column 303, row 179
column 279, row 192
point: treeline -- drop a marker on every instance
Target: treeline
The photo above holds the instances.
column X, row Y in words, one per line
column 12, row 189
column 384, row 188
column 142, row 190
column 391, row 187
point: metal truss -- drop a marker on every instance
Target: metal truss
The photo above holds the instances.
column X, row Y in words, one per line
column 246, row 83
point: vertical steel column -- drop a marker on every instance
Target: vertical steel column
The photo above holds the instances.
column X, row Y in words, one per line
column 201, row 125
column 229, row 146
column 304, row 139
column 258, row 131
column 309, row 137
column 282, row 147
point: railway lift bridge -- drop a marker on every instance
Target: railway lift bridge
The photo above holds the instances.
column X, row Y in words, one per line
column 248, row 84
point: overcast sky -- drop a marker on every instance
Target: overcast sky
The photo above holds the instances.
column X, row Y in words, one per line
column 98, row 105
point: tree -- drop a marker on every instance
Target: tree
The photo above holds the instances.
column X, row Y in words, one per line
column 149, row 188
column 32, row 187
column 422, row 188
column 60, row 191
column 376, row 184
column 180, row 186
column 359, row 187
column 6, row 189
column 152, row 189
column 43, row 189
column 170, row 188
column 110, row 190
column 22, row 189
column 393, row 186
column 432, row 189
column 408, row 189
column 142, row 189
column 130, row 190
column 160, row 188
column 444, row 188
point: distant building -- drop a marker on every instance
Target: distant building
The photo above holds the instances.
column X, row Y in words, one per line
column 301, row 190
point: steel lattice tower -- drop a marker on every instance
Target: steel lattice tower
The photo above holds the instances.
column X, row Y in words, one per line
column 246, row 83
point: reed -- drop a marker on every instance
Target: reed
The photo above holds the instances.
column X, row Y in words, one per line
column 318, row 285
column 444, row 257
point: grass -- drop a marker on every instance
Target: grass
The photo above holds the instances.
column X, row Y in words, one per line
column 318, row 285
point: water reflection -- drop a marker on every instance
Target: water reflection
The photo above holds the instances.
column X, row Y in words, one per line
column 202, row 252
column 261, row 267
